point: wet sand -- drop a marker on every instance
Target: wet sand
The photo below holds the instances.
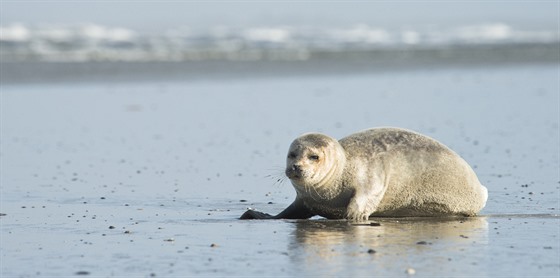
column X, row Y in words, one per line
column 147, row 178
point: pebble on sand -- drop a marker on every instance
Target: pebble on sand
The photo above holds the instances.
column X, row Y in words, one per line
column 410, row 271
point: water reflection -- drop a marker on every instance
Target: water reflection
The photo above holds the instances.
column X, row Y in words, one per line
column 392, row 247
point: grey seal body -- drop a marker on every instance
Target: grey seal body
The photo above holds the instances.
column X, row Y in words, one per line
column 378, row 172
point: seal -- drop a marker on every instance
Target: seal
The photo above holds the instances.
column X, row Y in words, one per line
column 377, row 172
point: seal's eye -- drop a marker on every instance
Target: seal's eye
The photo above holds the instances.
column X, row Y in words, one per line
column 313, row 157
column 292, row 155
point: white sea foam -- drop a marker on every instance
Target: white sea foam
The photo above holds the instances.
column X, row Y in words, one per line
column 361, row 34
column 410, row 37
column 277, row 35
column 485, row 33
column 14, row 32
column 97, row 32
column 90, row 42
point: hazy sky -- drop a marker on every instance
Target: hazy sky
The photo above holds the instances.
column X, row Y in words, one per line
column 162, row 15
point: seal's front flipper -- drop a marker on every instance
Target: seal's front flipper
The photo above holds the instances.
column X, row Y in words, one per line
column 297, row 210
column 253, row 214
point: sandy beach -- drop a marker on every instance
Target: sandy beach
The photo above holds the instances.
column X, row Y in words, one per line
column 134, row 134
column 148, row 177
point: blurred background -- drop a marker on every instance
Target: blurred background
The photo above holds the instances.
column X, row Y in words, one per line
column 267, row 37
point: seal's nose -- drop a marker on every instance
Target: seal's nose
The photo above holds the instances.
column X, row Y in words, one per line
column 294, row 171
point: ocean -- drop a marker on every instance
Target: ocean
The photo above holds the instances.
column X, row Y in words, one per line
column 82, row 52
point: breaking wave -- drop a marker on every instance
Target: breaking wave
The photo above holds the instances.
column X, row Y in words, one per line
column 91, row 42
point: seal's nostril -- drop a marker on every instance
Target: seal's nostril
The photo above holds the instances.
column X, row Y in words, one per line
column 296, row 167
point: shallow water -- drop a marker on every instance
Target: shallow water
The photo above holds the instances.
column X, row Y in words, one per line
column 142, row 178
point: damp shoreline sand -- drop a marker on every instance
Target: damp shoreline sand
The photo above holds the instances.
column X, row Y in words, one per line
column 147, row 177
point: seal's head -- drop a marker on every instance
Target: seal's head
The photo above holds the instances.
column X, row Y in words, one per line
column 314, row 160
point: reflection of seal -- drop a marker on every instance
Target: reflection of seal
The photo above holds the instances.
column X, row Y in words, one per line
column 378, row 172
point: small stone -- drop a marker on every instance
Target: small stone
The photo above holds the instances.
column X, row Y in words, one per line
column 371, row 251
column 169, row 240
column 82, row 273
column 243, row 201
column 111, row 227
column 410, row 271
column 422, row 243
column 213, row 245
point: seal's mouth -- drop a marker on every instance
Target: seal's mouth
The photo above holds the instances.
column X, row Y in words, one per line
column 295, row 176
